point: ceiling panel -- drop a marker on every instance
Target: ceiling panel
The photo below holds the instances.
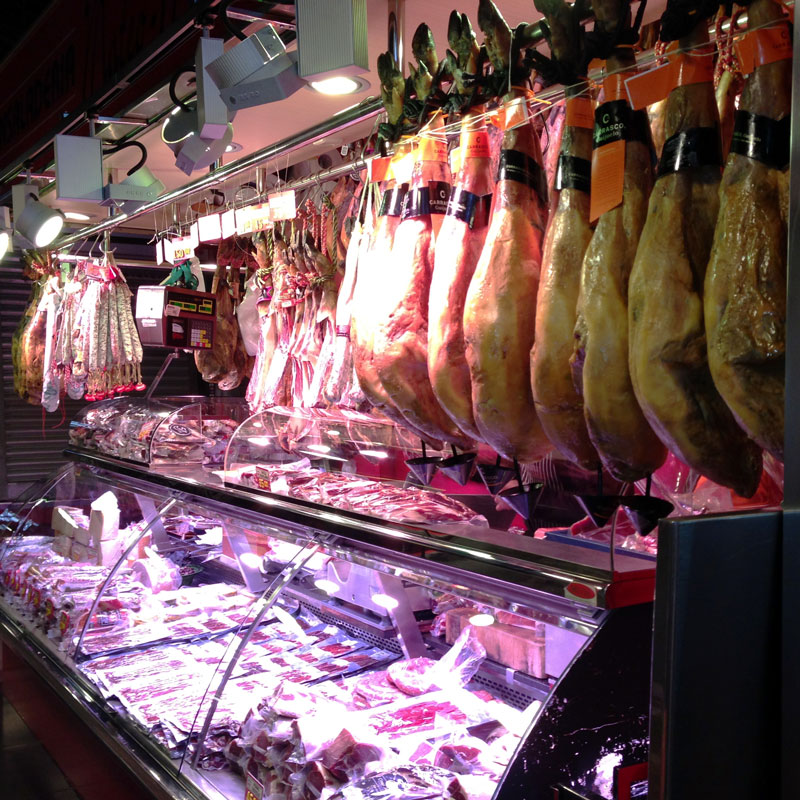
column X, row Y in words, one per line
column 258, row 127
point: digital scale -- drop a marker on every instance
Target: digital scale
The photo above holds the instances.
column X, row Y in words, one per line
column 169, row 316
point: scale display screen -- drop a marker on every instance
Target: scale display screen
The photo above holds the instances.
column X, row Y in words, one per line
column 169, row 316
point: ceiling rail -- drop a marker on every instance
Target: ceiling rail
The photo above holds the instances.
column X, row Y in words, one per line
column 339, row 122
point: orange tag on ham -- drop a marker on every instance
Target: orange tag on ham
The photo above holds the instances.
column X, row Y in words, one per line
column 516, row 114
column 608, row 143
column 379, row 169
column 764, row 46
column 682, row 70
column 475, row 143
column 608, row 173
column 580, row 112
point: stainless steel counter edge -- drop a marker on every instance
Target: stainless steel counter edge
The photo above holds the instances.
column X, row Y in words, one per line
column 151, row 767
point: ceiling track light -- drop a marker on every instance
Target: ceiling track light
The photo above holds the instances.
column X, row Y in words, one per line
column 180, row 132
column 5, row 231
column 35, row 222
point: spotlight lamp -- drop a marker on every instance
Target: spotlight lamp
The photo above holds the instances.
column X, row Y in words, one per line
column 35, row 222
column 192, row 152
column 5, row 231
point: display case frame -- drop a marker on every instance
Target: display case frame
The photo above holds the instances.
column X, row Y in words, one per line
column 510, row 572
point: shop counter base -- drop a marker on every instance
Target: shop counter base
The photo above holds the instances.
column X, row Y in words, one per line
column 99, row 760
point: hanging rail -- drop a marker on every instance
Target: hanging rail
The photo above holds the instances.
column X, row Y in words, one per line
column 344, row 119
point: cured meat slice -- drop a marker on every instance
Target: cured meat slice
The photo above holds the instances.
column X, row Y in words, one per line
column 458, row 248
column 558, row 403
column 412, row 676
column 400, row 343
column 745, row 288
column 668, row 361
column 617, row 427
column 375, row 689
column 501, row 301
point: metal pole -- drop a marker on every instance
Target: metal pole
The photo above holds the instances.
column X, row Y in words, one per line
column 790, row 655
column 341, row 121
column 397, row 26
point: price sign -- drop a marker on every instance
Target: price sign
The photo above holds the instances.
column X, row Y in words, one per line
column 209, row 228
column 228, row 223
column 253, row 218
column 283, row 205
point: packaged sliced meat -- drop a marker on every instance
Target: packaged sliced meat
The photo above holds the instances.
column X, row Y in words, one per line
column 412, row 676
column 376, row 689
column 411, row 782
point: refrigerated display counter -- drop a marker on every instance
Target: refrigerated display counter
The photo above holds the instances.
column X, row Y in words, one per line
column 223, row 633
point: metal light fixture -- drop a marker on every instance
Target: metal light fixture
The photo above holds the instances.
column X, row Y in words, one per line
column 192, row 152
column 256, row 71
column 5, row 231
column 339, row 84
column 35, row 222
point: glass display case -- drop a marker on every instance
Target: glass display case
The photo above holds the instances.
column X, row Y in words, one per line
column 360, row 639
column 159, row 431
column 362, row 464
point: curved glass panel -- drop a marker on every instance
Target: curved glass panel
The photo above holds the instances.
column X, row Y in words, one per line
column 197, row 433
column 121, row 427
column 355, row 673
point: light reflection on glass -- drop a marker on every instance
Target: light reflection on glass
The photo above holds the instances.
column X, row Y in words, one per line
column 384, row 601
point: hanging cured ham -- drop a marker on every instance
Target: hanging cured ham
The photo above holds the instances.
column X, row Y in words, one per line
column 341, row 387
column 373, row 255
column 458, row 248
column 627, row 445
column 745, row 287
column 501, row 302
column 668, row 362
column 399, row 347
column 559, row 404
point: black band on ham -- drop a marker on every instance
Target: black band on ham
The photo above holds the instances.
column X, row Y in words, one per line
column 573, row 173
column 392, row 201
column 616, row 120
column 520, row 167
column 424, row 200
column 690, row 149
column 470, row 208
column 761, row 138
column 343, row 330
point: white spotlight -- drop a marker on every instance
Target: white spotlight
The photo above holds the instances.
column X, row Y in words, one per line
column 5, row 231
column 37, row 223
